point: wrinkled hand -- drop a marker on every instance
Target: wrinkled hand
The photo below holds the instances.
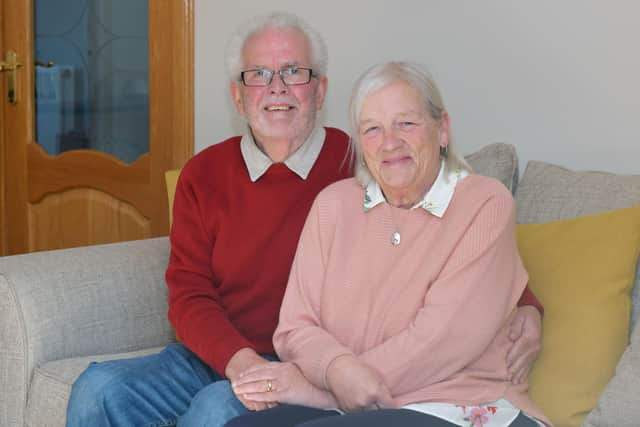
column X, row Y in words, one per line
column 526, row 334
column 242, row 360
column 281, row 382
column 357, row 386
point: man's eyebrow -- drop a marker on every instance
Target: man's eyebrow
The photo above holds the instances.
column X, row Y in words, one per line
column 264, row 67
column 290, row 64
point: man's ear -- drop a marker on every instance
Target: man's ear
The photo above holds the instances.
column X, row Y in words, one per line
column 322, row 90
column 236, row 96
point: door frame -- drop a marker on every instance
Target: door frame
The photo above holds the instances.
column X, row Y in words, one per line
column 171, row 110
column 3, row 91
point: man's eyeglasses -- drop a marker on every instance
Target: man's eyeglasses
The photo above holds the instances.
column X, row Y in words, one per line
column 290, row 76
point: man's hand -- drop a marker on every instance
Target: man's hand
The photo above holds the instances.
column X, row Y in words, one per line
column 356, row 386
column 242, row 360
column 526, row 334
column 281, row 382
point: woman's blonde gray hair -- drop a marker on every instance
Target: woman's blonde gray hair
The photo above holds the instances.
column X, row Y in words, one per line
column 280, row 21
column 381, row 75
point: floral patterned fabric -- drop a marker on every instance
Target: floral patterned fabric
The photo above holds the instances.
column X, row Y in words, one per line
column 494, row 414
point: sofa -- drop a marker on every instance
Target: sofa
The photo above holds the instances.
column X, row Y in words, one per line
column 61, row 310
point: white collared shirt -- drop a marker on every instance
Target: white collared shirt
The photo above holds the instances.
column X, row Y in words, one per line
column 300, row 162
column 437, row 199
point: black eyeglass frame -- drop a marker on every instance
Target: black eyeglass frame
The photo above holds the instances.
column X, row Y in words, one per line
column 280, row 72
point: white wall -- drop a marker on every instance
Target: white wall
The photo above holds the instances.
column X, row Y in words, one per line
column 559, row 79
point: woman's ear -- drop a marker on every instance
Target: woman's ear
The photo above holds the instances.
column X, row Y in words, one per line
column 445, row 130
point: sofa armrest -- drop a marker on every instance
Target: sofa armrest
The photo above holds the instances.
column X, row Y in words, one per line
column 76, row 302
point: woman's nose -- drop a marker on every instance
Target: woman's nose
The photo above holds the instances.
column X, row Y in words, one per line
column 390, row 139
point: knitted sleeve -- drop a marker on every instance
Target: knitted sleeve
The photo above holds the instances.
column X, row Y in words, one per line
column 299, row 337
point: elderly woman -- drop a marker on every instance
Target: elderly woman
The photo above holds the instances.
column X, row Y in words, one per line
column 404, row 284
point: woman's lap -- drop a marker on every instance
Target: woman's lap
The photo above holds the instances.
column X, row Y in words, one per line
column 397, row 417
column 381, row 418
column 300, row 416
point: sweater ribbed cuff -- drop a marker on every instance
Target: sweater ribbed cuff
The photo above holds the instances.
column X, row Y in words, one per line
column 316, row 368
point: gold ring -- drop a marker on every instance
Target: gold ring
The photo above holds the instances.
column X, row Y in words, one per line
column 269, row 385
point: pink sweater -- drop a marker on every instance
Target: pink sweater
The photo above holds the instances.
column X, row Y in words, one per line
column 431, row 315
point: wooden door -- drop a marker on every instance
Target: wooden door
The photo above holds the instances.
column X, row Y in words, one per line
column 81, row 195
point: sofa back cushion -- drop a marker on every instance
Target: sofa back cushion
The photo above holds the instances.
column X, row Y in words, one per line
column 548, row 192
column 497, row 160
column 619, row 405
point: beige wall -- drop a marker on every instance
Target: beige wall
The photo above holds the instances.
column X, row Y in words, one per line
column 559, row 79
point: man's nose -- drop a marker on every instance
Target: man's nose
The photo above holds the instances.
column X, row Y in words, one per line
column 277, row 84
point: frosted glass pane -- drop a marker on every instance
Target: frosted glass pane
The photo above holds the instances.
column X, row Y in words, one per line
column 95, row 96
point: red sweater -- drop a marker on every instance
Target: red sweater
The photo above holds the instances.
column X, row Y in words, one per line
column 233, row 242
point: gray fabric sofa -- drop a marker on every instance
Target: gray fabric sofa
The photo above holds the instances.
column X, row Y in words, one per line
column 60, row 310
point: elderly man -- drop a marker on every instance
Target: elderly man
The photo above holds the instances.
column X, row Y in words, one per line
column 239, row 209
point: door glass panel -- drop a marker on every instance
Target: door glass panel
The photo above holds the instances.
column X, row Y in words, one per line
column 92, row 76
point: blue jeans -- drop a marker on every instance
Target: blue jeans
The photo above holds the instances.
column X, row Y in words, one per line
column 173, row 387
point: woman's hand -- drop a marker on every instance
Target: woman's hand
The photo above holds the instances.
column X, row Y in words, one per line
column 526, row 334
column 281, row 382
column 356, row 386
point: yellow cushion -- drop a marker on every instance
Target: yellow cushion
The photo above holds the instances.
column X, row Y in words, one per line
column 171, row 178
column 582, row 271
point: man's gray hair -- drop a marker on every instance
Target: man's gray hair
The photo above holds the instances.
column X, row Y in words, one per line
column 381, row 75
column 279, row 21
